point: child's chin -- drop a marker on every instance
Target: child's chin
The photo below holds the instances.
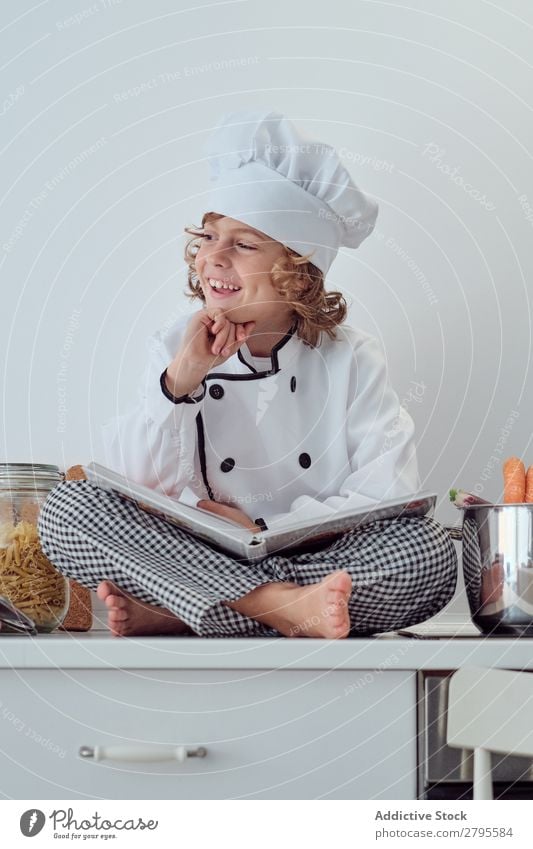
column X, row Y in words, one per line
column 238, row 315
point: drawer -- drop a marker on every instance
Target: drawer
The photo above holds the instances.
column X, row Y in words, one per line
column 276, row 734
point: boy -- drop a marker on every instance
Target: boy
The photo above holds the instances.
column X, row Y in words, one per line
column 261, row 397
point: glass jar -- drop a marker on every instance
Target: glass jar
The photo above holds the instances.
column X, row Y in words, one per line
column 27, row 578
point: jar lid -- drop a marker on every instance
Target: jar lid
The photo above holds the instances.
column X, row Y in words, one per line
column 29, row 476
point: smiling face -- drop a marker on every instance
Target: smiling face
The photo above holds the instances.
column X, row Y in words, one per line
column 233, row 254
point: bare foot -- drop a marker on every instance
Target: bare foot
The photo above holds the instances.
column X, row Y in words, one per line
column 315, row 610
column 129, row 617
column 321, row 610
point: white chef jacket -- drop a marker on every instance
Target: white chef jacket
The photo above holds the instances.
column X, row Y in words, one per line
column 297, row 435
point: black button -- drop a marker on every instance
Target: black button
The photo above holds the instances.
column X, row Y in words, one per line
column 227, row 464
column 261, row 524
column 293, row 384
column 216, row 391
column 304, row 460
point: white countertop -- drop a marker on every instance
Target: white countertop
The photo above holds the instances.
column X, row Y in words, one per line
column 99, row 650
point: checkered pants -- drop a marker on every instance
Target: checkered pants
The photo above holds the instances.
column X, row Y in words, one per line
column 403, row 571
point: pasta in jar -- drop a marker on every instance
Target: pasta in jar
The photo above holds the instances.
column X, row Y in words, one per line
column 28, row 579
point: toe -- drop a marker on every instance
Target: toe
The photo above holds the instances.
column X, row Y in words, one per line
column 336, row 601
column 341, row 580
column 108, row 588
column 341, row 626
column 117, row 614
column 103, row 589
column 344, row 582
column 116, row 601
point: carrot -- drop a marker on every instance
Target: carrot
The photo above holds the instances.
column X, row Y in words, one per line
column 514, row 481
column 529, row 484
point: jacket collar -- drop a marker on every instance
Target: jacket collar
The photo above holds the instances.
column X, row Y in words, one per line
column 280, row 356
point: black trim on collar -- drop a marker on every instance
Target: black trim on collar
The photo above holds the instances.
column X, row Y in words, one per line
column 201, row 453
column 255, row 374
column 276, row 348
column 243, row 361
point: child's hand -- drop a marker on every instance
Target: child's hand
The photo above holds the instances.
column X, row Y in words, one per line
column 209, row 340
column 228, row 512
column 228, row 335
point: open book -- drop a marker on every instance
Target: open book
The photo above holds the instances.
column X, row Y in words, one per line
column 236, row 540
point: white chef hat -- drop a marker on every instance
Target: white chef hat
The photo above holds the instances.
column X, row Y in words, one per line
column 296, row 190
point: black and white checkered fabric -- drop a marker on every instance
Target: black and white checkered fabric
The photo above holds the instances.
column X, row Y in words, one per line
column 403, row 571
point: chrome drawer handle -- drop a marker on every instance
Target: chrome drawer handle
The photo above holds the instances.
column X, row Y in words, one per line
column 141, row 753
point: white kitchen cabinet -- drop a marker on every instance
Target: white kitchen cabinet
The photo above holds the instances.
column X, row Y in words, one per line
column 269, row 733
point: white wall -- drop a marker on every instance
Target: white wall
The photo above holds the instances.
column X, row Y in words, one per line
column 431, row 105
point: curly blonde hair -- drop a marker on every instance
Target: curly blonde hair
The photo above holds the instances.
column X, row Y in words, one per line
column 296, row 278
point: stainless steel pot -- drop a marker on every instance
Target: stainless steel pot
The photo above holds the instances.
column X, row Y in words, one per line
column 497, row 549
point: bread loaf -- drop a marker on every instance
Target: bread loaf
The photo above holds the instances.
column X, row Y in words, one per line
column 79, row 615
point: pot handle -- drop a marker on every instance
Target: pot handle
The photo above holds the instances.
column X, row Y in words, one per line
column 454, row 531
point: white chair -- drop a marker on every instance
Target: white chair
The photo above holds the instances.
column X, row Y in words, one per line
column 490, row 710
